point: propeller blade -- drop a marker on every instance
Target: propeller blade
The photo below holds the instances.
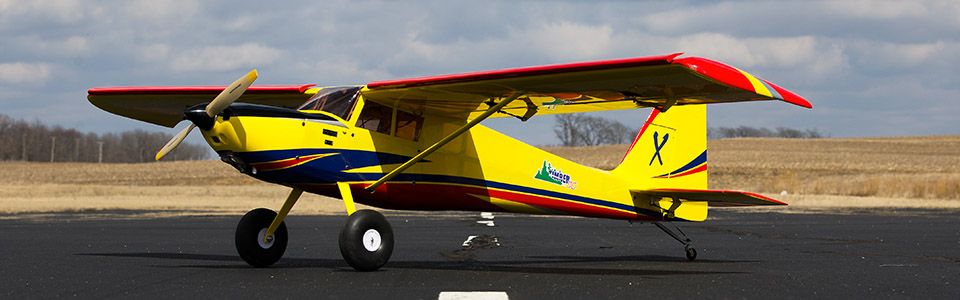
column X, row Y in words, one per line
column 175, row 141
column 231, row 93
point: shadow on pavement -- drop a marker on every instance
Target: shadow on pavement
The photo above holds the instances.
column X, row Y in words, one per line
column 537, row 264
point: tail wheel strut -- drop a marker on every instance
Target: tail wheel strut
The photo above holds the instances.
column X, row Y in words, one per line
column 682, row 238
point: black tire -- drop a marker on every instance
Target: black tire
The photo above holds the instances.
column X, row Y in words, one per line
column 249, row 238
column 372, row 226
column 691, row 253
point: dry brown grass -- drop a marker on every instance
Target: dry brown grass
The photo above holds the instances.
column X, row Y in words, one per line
column 152, row 174
column 911, row 167
column 919, row 172
column 200, row 187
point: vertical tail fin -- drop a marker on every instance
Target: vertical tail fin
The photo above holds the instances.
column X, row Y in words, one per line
column 670, row 151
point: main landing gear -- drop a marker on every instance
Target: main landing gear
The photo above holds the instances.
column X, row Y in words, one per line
column 366, row 240
column 682, row 238
column 253, row 244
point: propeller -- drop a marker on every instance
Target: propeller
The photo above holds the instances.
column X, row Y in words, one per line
column 221, row 102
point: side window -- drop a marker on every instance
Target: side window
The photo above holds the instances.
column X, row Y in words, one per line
column 375, row 117
column 408, row 125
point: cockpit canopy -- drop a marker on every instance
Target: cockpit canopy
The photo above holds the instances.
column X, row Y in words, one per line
column 335, row 100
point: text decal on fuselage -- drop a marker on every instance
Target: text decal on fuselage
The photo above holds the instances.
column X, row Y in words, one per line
column 552, row 175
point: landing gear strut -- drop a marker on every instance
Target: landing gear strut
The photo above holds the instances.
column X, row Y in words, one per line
column 366, row 240
column 261, row 236
column 682, row 238
column 254, row 245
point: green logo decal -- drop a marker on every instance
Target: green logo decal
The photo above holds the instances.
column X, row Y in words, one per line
column 552, row 175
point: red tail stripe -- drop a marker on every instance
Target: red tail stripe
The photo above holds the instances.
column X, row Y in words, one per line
column 689, row 172
column 653, row 115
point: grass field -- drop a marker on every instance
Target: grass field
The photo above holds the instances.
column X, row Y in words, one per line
column 915, row 167
column 820, row 174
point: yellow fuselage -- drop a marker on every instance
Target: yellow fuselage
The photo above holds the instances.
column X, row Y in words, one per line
column 482, row 170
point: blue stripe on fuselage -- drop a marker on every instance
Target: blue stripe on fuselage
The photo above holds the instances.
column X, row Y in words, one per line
column 701, row 159
column 330, row 170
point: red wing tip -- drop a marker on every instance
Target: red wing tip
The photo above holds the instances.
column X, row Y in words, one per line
column 789, row 97
column 800, row 102
column 733, row 77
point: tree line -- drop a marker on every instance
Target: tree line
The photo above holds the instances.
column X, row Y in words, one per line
column 747, row 131
column 21, row 140
column 583, row 130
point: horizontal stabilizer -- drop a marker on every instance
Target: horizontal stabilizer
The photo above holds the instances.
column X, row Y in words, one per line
column 715, row 198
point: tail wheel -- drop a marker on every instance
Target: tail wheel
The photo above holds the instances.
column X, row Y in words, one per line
column 691, row 253
column 366, row 240
column 252, row 244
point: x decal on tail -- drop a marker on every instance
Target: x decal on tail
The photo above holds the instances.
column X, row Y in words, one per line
column 657, row 145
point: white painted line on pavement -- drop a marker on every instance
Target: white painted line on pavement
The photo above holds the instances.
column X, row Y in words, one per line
column 473, row 295
column 467, row 242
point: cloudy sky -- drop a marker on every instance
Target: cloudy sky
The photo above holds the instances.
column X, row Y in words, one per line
column 870, row 68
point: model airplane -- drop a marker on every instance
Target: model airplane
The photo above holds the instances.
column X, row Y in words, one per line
column 415, row 144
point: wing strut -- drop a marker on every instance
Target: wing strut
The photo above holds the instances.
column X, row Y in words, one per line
column 444, row 141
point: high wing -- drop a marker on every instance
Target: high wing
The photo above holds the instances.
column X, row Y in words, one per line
column 716, row 198
column 655, row 81
column 164, row 105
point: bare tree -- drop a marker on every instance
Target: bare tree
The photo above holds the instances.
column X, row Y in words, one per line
column 34, row 141
column 583, row 130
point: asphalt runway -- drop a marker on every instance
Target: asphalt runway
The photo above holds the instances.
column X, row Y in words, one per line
column 913, row 254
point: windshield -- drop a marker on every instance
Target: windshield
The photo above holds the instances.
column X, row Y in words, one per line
column 335, row 100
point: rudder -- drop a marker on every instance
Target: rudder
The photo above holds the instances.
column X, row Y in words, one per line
column 670, row 151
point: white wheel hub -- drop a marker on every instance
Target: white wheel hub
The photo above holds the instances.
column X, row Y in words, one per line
column 372, row 240
column 263, row 241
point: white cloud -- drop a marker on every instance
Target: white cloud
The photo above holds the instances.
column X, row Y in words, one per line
column 73, row 46
column 154, row 52
column 332, row 71
column 717, row 46
column 569, row 41
column 163, row 12
column 804, row 52
column 24, row 73
column 539, row 43
column 242, row 23
column 880, row 55
column 225, row 58
column 678, row 19
column 61, row 11
column 877, row 9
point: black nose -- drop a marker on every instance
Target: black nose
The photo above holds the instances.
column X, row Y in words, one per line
column 198, row 115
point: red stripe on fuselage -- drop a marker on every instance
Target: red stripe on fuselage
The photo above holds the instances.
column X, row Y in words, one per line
column 287, row 163
column 439, row 196
column 570, row 207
